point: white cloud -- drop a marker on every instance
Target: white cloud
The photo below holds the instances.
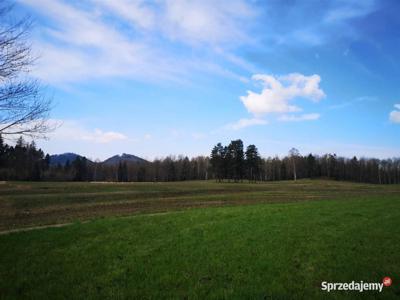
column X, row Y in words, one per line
column 243, row 123
column 103, row 137
column 72, row 130
column 394, row 115
column 295, row 118
column 278, row 91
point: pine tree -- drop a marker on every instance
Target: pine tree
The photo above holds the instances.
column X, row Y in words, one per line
column 141, row 174
column 80, row 168
column 185, row 171
column 310, row 166
column 3, row 150
column 253, row 163
column 235, row 149
column 217, row 161
column 122, row 173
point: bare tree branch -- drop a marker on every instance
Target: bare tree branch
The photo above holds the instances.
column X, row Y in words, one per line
column 24, row 110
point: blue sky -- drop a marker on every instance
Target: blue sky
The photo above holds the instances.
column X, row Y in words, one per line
column 154, row 78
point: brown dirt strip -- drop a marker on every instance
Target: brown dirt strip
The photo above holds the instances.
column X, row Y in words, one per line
column 34, row 228
column 67, row 214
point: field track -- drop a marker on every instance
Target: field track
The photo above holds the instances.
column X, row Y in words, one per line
column 30, row 204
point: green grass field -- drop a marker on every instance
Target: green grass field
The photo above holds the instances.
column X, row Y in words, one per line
column 198, row 240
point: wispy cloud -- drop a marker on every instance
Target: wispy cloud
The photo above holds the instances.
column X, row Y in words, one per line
column 207, row 21
column 92, row 41
column 349, row 10
column 103, row 137
column 243, row 123
column 80, row 45
column 72, row 130
column 353, row 102
column 299, row 118
column 137, row 13
column 320, row 24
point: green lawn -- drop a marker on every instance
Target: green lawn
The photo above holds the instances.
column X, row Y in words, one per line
column 259, row 251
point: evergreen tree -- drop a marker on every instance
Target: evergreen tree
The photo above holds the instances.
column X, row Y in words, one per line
column 171, row 170
column 236, row 152
column 122, row 173
column 310, row 166
column 36, row 173
column 67, row 166
column 80, row 168
column 354, row 170
column 141, row 175
column 217, row 161
column 253, row 162
column 228, row 168
column 185, row 171
column 3, row 151
column 46, row 163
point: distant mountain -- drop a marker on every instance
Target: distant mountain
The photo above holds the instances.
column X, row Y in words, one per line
column 116, row 159
column 63, row 158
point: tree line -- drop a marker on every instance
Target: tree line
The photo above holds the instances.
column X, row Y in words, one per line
column 234, row 162
column 24, row 161
column 170, row 168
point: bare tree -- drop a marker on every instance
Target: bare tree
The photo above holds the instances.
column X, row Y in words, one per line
column 293, row 154
column 24, row 110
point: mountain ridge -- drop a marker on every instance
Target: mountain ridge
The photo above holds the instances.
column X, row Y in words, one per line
column 62, row 159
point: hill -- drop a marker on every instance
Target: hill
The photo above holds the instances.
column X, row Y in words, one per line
column 63, row 158
column 116, row 159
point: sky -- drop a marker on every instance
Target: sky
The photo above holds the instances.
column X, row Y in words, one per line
column 155, row 78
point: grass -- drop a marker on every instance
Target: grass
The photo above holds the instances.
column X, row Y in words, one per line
column 27, row 204
column 258, row 251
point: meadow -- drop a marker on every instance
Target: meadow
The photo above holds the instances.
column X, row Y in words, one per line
column 197, row 240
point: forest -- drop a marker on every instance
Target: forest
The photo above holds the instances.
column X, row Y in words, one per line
column 232, row 163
